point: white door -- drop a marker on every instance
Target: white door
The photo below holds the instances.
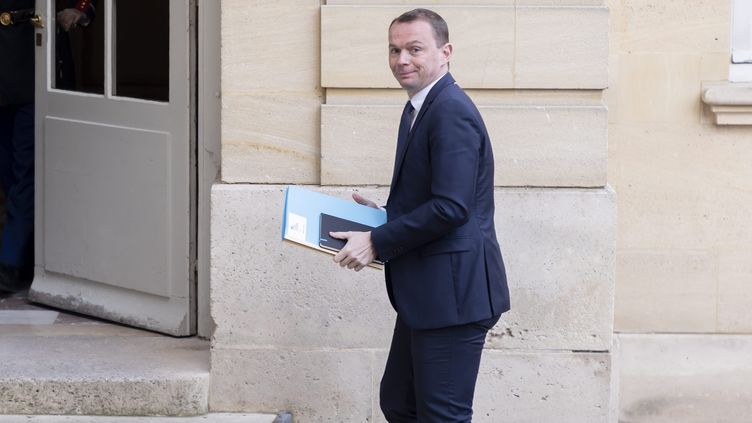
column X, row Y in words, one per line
column 114, row 233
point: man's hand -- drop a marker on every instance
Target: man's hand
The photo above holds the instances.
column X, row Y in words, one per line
column 69, row 18
column 364, row 201
column 358, row 252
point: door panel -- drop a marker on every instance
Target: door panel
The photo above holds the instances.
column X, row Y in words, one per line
column 92, row 200
column 114, row 232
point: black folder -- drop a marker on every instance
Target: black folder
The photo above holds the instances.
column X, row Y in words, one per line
column 329, row 223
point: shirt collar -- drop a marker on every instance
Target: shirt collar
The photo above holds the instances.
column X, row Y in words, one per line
column 419, row 97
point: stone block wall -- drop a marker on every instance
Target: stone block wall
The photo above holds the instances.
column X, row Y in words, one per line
column 684, row 239
column 317, row 106
column 684, row 235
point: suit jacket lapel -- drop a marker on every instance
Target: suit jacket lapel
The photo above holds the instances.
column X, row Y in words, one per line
column 404, row 137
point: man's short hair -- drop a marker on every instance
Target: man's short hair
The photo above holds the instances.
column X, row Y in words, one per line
column 438, row 24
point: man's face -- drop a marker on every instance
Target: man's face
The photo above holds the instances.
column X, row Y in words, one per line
column 414, row 58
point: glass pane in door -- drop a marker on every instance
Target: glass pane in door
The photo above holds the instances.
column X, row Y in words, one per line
column 79, row 46
column 142, row 49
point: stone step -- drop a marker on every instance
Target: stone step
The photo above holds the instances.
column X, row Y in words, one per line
column 209, row 418
column 130, row 373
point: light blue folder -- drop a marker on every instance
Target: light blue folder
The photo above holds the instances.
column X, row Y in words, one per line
column 303, row 208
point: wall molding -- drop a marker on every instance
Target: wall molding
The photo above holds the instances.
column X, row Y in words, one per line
column 730, row 103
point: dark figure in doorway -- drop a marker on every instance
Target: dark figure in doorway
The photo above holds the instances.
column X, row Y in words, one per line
column 78, row 13
column 17, row 133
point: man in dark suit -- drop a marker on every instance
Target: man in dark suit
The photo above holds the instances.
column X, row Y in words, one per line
column 17, row 133
column 444, row 273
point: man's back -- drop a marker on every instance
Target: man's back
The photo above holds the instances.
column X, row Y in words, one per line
column 445, row 266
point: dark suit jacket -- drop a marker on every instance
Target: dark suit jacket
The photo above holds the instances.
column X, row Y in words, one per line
column 444, row 265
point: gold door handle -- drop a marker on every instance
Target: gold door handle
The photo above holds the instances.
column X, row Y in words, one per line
column 37, row 21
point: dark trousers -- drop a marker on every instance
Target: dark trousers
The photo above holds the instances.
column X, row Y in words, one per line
column 17, row 179
column 430, row 374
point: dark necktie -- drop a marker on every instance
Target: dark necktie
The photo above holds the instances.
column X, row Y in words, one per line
column 404, row 131
column 405, row 122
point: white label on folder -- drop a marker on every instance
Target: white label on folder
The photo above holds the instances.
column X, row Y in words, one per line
column 296, row 227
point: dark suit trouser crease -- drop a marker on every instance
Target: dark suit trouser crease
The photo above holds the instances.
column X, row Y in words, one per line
column 17, row 178
column 430, row 374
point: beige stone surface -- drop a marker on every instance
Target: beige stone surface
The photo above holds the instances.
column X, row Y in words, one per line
column 659, row 87
column 269, row 292
column 271, row 137
column 557, row 244
column 481, row 97
column 714, row 66
column 732, row 115
column 730, row 103
column 684, row 378
column 533, row 145
column 735, row 289
column 681, row 186
column 207, row 418
column 560, row 2
column 495, row 47
column 343, row 385
column 561, row 47
column 558, row 249
column 270, row 91
column 417, row 3
column 683, row 191
column 260, row 49
column 548, row 146
column 358, row 144
column 315, row 385
column 354, row 43
column 666, row 291
column 354, row 46
column 611, row 94
column 670, row 26
column 538, row 387
column 103, row 375
column 528, row 387
column 425, row 3
column 682, row 182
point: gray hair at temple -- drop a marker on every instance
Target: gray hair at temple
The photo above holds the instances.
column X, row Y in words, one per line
column 438, row 24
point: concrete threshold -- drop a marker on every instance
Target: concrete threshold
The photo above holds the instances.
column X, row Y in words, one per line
column 209, row 418
column 103, row 375
column 71, row 365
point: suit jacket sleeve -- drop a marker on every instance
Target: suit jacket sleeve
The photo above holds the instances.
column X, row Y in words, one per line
column 454, row 139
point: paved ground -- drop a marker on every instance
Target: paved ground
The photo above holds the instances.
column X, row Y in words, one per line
column 55, row 362
column 684, row 378
column 210, row 418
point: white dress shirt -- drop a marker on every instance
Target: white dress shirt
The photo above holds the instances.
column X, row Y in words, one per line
column 419, row 97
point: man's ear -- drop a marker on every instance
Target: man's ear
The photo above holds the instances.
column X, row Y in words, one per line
column 447, row 51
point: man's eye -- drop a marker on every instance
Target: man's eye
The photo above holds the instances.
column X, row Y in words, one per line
column 416, row 50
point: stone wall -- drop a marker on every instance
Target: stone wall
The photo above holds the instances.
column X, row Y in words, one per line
column 308, row 98
column 684, row 243
column 684, row 235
